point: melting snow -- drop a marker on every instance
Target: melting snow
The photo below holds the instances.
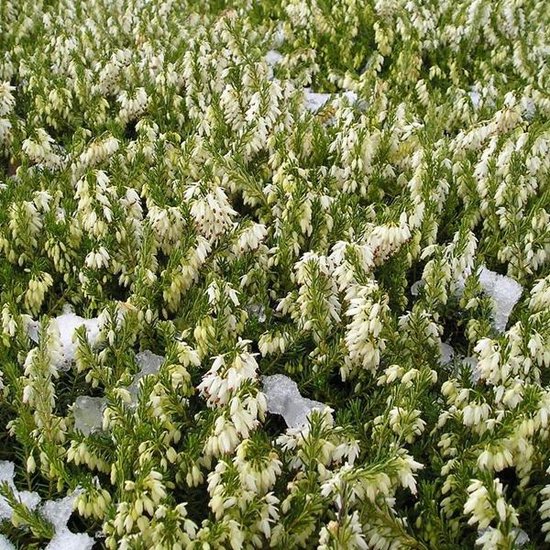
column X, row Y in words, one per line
column 447, row 353
column 149, row 363
column 415, row 287
column 5, row 544
column 283, row 397
column 522, row 537
column 314, row 101
column 471, row 362
column 65, row 325
column 257, row 311
column 88, row 413
column 475, row 98
column 505, row 293
column 58, row 512
column 272, row 58
column 30, row 500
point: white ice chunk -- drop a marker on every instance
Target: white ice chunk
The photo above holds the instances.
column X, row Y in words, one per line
column 65, row 325
column 283, row 397
column 88, row 413
column 528, row 107
column 29, row 499
column 7, row 471
column 257, row 311
column 415, row 287
column 447, row 353
column 475, row 98
column 5, row 509
column 279, row 36
column 5, row 544
column 31, row 327
column 273, row 57
column 6, row 474
column 58, row 513
column 60, row 214
column 314, row 101
column 66, row 540
column 471, row 362
column 485, row 536
column 522, row 538
column 505, row 293
column 149, row 363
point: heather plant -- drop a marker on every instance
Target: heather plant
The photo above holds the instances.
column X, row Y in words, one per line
column 197, row 196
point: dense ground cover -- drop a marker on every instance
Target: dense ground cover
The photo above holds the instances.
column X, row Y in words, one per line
column 194, row 196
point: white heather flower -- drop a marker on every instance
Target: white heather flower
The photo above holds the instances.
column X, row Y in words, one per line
column 270, row 343
column 478, row 505
column 257, row 474
column 7, row 100
column 99, row 151
column 223, row 378
column 407, row 467
column 97, row 259
column 345, row 533
column 484, row 506
column 40, row 149
column 211, row 211
column 406, row 423
column 250, row 239
column 5, row 130
column 474, row 414
column 363, row 334
column 224, row 438
column 132, row 105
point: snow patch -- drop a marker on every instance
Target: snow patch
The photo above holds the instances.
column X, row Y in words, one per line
column 149, row 363
column 65, row 326
column 256, row 311
column 58, row 513
column 447, row 353
column 272, row 58
column 5, row 544
column 475, row 98
column 284, row 398
column 471, row 363
column 504, row 291
column 415, row 287
column 29, row 499
column 315, row 101
column 88, row 413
